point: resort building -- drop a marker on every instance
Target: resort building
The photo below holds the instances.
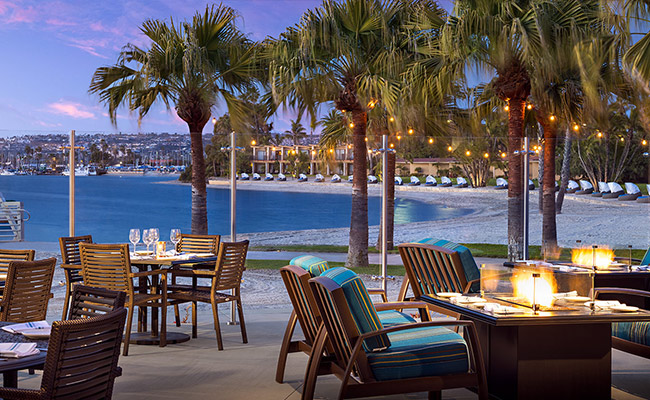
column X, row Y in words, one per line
column 276, row 159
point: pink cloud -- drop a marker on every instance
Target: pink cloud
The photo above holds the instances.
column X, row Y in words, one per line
column 60, row 22
column 24, row 15
column 5, row 5
column 74, row 110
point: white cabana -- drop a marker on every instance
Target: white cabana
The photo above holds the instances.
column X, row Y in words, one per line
column 244, row 176
column 585, row 185
column 444, row 181
column 302, row 178
column 461, row 182
column 632, row 188
column 319, row 178
column 399, row 181
column 350, row 178
column 501, row 183
column 281, row 177
column 603, row 187
column 256, row 176
column 268, row 177
column 430, row 181
column 572, row 186
column 335, row 178
column 415, row 181
column 372, row 179
column 615, row 187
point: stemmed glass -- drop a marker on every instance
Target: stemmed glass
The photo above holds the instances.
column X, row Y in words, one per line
column 175, row 237
column 147, row 238
column 134, row 238
column 155, row 234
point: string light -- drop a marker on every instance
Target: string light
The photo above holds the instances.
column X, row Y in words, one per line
column 622, row 139
column 331, row 150
column 411, row 131
column 449, row 121
column 366, row 139
column 399, row 137
column 576, row 127
column 253, row 143
column 486, row 155
column 644, row 142
column 214, row 121
column 506, row 108
column 431, row 140
column 529, row 106
column 552, row 118
column 600, row 134
column 350, row 146
column 351, row 125
column 391, row 145
column 391, row 119
column 313, row 152
column 503, row 155
column 468, row 153
column 450, row 148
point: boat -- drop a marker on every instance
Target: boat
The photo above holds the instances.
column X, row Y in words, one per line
column 79, row 171
column 6, row 172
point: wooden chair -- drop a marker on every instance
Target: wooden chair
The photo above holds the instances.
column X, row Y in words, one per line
column 27, row 290
column 305, row 312
column 630, row 337
column 90, row 302
column 71, row 264
column 81, row 361
column 193, row 244
column 225, row 276
column 7, row 256
column 108, row 266
column 387, row 361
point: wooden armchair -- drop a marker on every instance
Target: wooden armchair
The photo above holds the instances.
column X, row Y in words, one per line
column 81, row 361
column 7, row 256
column 90, row 302
column 630, row 337
column 71, row 264
column 371, row 361
column 27, row 291
column 108, row 266
column 225, row 276
column 305, row 312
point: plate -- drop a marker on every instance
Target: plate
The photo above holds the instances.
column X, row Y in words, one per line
column 575, row 299
column 469, row 300
column 143, row 253
column 624, row 308
column 37, row 333
column 448, row 294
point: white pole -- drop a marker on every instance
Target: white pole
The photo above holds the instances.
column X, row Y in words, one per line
column 526, row 190
column 71, row 181
column 384, row 215
column 233, row 212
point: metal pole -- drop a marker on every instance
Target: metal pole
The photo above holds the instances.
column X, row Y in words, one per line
column 384, row 215
column 71, row 180
column 526, row 190
column 233, row 212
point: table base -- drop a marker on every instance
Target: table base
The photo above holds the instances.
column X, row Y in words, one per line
column 145, row 338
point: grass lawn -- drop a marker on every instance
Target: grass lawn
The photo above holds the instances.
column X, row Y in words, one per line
column 373, row 269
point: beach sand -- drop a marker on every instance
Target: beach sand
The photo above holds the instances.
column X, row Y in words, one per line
column 592, row 220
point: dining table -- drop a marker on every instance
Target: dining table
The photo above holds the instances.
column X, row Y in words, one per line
column 10, row 366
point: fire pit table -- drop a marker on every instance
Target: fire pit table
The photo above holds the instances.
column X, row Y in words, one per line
column 541, row 338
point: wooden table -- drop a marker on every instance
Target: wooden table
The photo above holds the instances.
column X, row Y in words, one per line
column 164, row 263
column 10, row 366
column 552, row 355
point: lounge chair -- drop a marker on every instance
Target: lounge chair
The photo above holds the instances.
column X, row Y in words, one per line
column 319, row 178
column 501, row 184
column 282, row 178
column 430, row 181
column 615, row 190
column 256, row 177
column 603, row 189
column 572, row 187
column 445, row 182
column 244, row 176
column 643, row 199
column 350, row 178
column 372, row 179
column 372, row 360
column 461, row 182
column 585, row 187
column 268, row 177
column 399, row 181
column 531, row 184
column 633, row 192
column 335, row 179
column 414, row 181
column 302, row 178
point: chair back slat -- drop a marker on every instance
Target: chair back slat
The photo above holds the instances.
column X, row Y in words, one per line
column 91, row 301
column 432, row 269
column 7, row 256
column 82, row 357
column 70, row 253
column 106, row 266
column 230, row 265
column 198, row 243
column 296, row 280
column 27, row 290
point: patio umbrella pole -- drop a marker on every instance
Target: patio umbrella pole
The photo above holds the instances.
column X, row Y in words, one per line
column 233, row 211
column 384, row 214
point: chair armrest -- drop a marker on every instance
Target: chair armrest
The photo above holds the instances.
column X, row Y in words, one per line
column 469, row 285
column 416, row 325
column 141, row 274
column 71, row 266
column 204, row 273
column 19, row 394
column 636, row 260
column 398, row 305
column 633, row 292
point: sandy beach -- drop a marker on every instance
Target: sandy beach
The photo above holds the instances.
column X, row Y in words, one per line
column 589, row 219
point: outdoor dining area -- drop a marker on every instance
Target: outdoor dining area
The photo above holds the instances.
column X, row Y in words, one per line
column 459, row 329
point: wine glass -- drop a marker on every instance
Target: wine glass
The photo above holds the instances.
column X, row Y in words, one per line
column 155, row 234
column 134, row 238
column 175, row 237
column 146, row 238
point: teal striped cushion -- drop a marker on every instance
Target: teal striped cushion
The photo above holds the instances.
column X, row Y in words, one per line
column 637, row 332
column 646, row 258
column 393, row 317
column 312, row 264
column 466, row 259
column 420, row 352
column 363, row 311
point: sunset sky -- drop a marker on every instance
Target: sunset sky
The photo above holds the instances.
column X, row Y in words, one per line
column 51, row 49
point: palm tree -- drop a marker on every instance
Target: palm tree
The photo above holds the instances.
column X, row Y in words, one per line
column 193, row 66
column 638, row 56
column 296, row 132
column 347, row 53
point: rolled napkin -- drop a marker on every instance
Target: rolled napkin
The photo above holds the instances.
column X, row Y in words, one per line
column 26, row 326
column 17, row 350
column 467, row 300
column 604, row 304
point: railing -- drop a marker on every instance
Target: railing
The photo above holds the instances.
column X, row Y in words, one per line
column 12, row 221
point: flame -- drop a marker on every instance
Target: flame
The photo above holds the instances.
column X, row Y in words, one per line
column 535, row 290
column 600, row 257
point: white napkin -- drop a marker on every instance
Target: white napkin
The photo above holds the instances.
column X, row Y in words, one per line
column 467, row 300
column 572, row 293
column 16, row 350
column 605, row 304
column 27, row 326
column 497, row 308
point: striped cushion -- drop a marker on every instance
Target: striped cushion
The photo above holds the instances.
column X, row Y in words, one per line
column 363, row 311
column 420, row 352
column 637, row 332
column 466, row 258
column 390, row 318
column 312, row 264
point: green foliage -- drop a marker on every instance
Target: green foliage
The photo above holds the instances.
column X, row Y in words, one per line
column 298, row 163
column 186, row 175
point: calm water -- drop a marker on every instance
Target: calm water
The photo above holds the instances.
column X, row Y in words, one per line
column 108, row 206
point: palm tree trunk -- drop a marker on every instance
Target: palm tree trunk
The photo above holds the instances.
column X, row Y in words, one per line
column 549, row 229
column 566, row 171
column 199, row 193
column 358, row 250
column 390, row 194
column 515, row 185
